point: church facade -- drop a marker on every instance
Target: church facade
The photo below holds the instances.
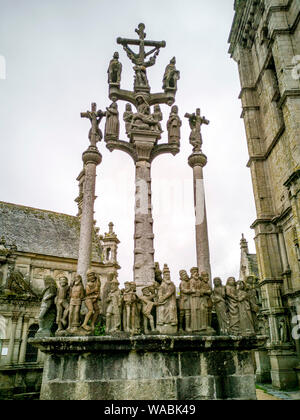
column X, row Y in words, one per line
column 265, row 43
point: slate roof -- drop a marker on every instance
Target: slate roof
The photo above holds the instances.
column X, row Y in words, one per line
column 42, row 231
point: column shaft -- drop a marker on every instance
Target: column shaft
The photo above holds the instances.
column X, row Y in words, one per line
column 143, row 235
column 91, row 159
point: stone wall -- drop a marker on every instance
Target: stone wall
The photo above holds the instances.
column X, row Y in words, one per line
column 264, row 41
column 148, row 368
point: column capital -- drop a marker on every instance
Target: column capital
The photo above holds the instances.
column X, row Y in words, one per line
column 197, row 159
column 92, row 155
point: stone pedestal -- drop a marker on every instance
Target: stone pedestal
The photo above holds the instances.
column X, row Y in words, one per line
column 197, row 161
column 263, row 367
column 148, row 368
column 283, row 363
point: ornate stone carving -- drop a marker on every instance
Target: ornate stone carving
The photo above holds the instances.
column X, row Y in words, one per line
column 158, row 117
column 114, row 308
column 139, row 59
column 232, row 305
column 95, row 117
column 173, row 126
column 166, row 311
column 114, row 70
column 47, row 313
column 92, row 297
column 77, row 295
column 246, row 325
column 254, row 306
column 185, row 302
column 171, row 76
column 112, row 125
column 62, row 303
column 148, row 303
column 196, row 121
column 219, row 303
column 130, row 309
column 127, row 117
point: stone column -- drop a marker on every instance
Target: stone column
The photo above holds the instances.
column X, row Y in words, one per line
column 11, row 345
column 91, row 158
column 143, row 223
column 197, row 161
column 24, row 339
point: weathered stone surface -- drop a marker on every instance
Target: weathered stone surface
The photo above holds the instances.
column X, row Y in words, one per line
column 264, row 41
column 148, row 367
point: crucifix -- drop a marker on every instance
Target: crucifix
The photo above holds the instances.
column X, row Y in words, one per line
column 95, row 117
column 139, row 60
column 196, row 122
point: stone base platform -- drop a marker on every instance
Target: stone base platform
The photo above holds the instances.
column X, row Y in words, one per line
column 148, row 367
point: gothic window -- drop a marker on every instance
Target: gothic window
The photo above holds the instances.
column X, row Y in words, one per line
column 108, row 254
column 31, row 352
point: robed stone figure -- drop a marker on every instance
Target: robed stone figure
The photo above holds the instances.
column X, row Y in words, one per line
column 166, row 311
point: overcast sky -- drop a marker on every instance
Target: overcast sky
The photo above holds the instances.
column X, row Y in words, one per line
column 57, row 54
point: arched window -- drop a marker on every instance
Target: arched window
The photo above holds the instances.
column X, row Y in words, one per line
column 108, row 254
column 31, row 352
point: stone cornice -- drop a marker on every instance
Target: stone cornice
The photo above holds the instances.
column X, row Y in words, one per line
column 292, row 178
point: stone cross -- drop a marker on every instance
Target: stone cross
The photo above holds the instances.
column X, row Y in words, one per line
column 139, row 59
column 95, row 117
column 91, row 159
column 196, row 122
column 197, row 162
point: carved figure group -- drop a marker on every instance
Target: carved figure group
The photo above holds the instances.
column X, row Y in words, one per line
column 236, row 307
column 62, row 305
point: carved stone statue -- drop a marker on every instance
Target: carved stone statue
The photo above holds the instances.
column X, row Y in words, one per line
column 246, row 325
column 171, row 76
column 144, row 121
column 77, row 295
column 158, row 273
column 251, row 289
column 166, row 311
column 196, row 121
column 92, row 297
column 195, row 284
column 206, row 300
column 139, row 60
column 114, row 70
column 232, row 305
column 219, row 302
column 112, row 125
column 158, row 116
column 130, row 312
column 47, row 314
column 62, row 303
column 173, row 126
column 148, row 304
column 95, row 117
column 114, row 308
column 127, row 117
column 283, row 331
column 184, row 302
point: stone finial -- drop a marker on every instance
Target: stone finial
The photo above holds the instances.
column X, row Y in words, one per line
column 111, row 228
column 244, row 244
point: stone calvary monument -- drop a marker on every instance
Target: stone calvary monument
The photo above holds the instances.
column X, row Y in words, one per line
column 155, row 346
